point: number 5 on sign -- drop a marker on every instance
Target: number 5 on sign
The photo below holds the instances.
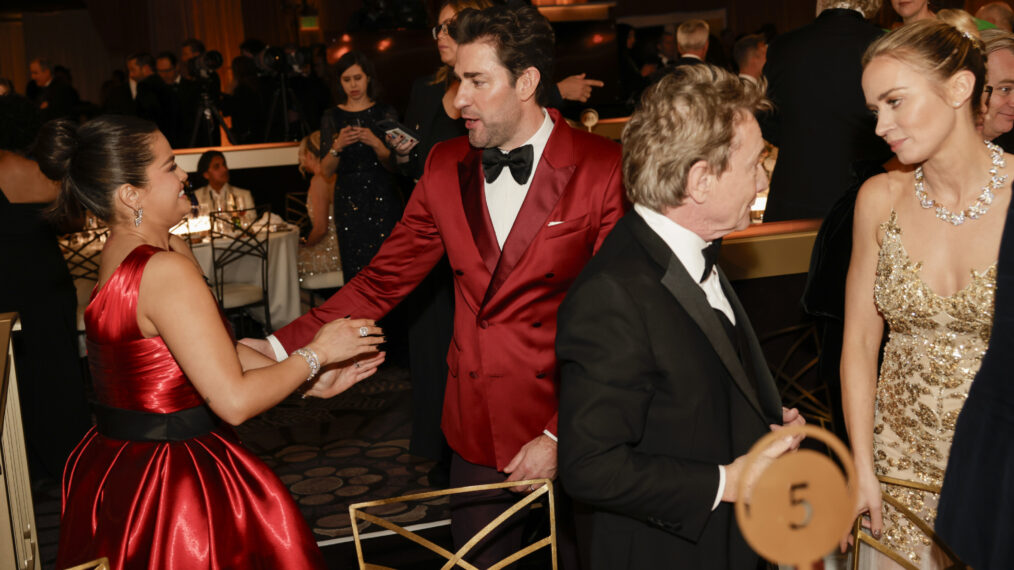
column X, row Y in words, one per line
column 801, row 503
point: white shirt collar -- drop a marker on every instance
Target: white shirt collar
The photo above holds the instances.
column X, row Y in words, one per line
column 691, row 56
column 684, row 243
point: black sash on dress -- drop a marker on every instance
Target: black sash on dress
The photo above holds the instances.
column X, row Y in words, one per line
column 132, row 425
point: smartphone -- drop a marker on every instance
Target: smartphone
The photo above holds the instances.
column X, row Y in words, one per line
column 395, row 128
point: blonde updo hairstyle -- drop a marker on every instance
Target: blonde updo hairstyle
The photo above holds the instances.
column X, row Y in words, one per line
column 311, row 146
column 939, row 50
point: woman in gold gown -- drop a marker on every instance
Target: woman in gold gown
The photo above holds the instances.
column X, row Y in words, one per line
column 925, row 244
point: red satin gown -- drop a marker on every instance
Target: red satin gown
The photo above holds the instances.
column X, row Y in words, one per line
column 204, row 502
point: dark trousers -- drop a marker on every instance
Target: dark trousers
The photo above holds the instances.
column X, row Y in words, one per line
column 473, row 511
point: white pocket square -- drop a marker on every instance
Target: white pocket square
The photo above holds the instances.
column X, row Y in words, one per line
column 556, row 223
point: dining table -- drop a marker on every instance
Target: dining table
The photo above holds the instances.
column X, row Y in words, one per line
column 283, row 280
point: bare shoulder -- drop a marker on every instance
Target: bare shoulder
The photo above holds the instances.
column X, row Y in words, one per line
column 171, row 271
column 878, row 195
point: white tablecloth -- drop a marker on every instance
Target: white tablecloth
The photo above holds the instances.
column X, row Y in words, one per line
column 283, row 281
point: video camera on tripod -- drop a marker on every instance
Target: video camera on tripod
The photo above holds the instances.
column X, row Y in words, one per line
column 202, row 69
column 277, row 63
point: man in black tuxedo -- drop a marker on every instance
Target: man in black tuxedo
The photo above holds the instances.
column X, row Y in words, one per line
column 664, row 388
column 820, row 122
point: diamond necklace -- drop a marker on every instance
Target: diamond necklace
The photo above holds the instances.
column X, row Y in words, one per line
column 982, row 203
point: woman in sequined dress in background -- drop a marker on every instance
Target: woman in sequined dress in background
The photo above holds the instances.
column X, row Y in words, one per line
column 318, row 254
column 925, row 244
column 366, row 202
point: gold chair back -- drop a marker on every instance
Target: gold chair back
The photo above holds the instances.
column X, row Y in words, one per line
column 864, row 538
column 456, row 559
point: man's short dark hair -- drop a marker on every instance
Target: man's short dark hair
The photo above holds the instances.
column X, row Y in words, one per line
column 204, row 163
column 44, row 63
column 745, row 47
column 143, row 59
column 521, row 36
column 195, row 45
column 167, row 55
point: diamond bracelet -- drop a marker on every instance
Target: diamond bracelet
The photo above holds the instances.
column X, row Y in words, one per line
column 311, row 361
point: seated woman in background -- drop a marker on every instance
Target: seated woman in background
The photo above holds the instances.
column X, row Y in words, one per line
column 161, row 480
column 318, row 254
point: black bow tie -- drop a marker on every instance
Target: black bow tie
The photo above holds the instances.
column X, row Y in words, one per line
column 710, row 253
column 518, row 160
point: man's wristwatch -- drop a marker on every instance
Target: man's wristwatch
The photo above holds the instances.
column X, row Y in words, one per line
column 334, row 152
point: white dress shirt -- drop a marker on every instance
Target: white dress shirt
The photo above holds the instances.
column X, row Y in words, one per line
column 504, row 195
column 687, row 246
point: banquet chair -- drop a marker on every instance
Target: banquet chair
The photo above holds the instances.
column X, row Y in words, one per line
column 82, row 251
column 455, row 559
column 295, row 211
column 98, row 564
column 235, row 238
column 864, row 538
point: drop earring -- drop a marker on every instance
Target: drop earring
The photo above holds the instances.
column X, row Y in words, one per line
column 138, row 216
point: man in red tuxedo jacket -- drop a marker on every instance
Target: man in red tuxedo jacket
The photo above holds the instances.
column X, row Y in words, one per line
column 515, row 242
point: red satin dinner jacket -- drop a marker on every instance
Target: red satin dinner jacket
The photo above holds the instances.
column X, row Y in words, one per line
column 502, row 385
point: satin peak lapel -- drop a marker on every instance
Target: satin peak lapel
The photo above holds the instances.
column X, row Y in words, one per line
column 473, row 200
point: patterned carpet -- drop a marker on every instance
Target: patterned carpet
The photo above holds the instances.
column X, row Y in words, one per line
column 330, row 453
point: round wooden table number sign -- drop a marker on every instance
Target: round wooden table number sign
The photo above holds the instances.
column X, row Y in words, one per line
column 801, row 503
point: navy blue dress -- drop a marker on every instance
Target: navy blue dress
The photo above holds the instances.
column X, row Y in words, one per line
column 976, row 511
column 366, row 201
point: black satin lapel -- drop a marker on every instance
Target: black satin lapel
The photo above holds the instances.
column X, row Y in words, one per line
column 768, row 401
column 473, row 200
column 547, row 186
column 695, row 303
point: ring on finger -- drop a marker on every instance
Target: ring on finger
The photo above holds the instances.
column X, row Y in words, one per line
column 356, row 362
column 364, row 331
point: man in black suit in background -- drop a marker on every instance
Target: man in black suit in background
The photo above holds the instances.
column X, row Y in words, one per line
column 820, row 122
column 692, row 42
column 664, row 388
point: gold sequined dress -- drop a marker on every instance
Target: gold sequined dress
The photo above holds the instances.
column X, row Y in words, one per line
column 933, row 351
column 321, row 257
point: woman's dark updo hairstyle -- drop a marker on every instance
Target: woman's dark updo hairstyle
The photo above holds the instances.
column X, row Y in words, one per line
column 92, row 160
column 357, row 58
column 938, row 49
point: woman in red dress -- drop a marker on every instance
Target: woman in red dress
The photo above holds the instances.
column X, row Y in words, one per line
column 161, row 481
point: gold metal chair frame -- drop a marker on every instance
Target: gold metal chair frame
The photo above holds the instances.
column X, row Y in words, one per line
column 456, row 559
column 99, row 564
column 812, row 401
column 865, row 537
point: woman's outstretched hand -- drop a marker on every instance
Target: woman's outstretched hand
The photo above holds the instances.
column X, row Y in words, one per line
column 337, row 378
column 344, row 339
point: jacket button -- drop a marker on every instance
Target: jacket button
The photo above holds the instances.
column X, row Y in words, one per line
column 473, row 375
column 458, row 272
column 550, row 275
column 484, row 324
column 540, row 375
column 537, row 324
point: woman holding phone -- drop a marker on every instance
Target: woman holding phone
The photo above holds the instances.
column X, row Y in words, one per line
column 366, row 203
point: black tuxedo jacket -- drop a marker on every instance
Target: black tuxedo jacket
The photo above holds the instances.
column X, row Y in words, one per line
column 820, row 124
column 653, row 397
